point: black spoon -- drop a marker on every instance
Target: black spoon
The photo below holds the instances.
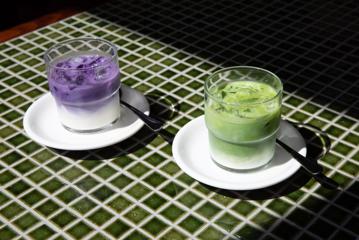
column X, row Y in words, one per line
column 151, row 122
column 312, row 167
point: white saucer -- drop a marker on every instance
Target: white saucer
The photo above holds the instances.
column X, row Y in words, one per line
column 191, row 152
column 42, row 124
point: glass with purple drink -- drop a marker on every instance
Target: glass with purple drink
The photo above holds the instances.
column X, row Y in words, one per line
column 83, row 76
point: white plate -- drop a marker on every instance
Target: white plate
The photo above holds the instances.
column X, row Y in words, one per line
column 42, row 124
column 191, row 152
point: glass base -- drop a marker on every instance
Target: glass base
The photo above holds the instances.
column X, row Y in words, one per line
column 104, row 128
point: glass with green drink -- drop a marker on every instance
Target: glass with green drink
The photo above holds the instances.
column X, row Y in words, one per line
column 242, row 113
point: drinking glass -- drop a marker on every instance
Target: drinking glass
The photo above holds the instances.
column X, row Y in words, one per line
column 242, row 114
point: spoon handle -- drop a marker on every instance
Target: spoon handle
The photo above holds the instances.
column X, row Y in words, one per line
column 151, row 122
column 312, row 167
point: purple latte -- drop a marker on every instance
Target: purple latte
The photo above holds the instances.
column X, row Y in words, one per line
column 78, row 79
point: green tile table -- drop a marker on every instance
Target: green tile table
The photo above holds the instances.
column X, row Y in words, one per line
column 135, row 190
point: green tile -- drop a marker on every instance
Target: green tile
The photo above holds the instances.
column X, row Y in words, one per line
column 155, row 179
column 172, row 212
column 186, row 179
column 168, row 74
column 80, row 230
column 138, row 191
column 3, row 108
column 26, row 221
column 84, row 205
column 102, row 193
column 156, row 80
column 327, row 115
column 100, row 216
column 117, row 228
column 7, row 233
column 136, row 215
column 317, row 123
column 294, row 101
column 63, row 218
column 11, row 81
column 155, row 159
column 138, row 170
column 48, row 207
column 39, row 79
column 6, row 94
column 3, row 148
column 154, row 201
column 52, row 186
column 208, row 210
column 11, row 116
column 248, row 232
column 17, row 68
column 342, row 148
column 172, row 189
column 119, row 204
column 135, row 235
column 183, row 80
column 33, row 197
column 6, row 63
column 11, row 210
column 90, row 164
column 243, row 208
column 171, row 168
column 30, row 147
column 224, row 200
column 105, row 172
column 72, row 173
column 39, row 175
column 28, row 74
column 42, row 233
column 143, row 63
column 263, row 219
column 57, row 164
column 43, row 156
column 334, row 131
column 173, row 234
column 18, row 187
column 121, row 181
column 211, row 233
column 352, row 138
column 155, row 226
column 181, row 67
column 34, row 93
column 345, row 122
column 182, row 93
column 350, row 168
column 87, row 183
column 191, row 224
column 98, row 236
column 299, row 117
column 68, row 195
column 33, row 62
column 3, row 199
column 341, row 179
column 5, row 177
column 11, row 158
column 279, row 206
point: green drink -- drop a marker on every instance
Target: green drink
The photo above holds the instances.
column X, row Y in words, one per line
column 242, row 112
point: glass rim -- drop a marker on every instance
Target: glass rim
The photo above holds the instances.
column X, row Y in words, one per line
column 206, row 88
column 50, row 63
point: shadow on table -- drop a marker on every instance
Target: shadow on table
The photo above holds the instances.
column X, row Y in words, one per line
column 162, row 107
column 300, row 44
column 317, row 146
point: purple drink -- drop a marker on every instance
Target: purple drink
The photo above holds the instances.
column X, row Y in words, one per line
column 85, row 85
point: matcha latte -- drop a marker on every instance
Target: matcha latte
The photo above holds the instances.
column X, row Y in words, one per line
column 242, row 112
